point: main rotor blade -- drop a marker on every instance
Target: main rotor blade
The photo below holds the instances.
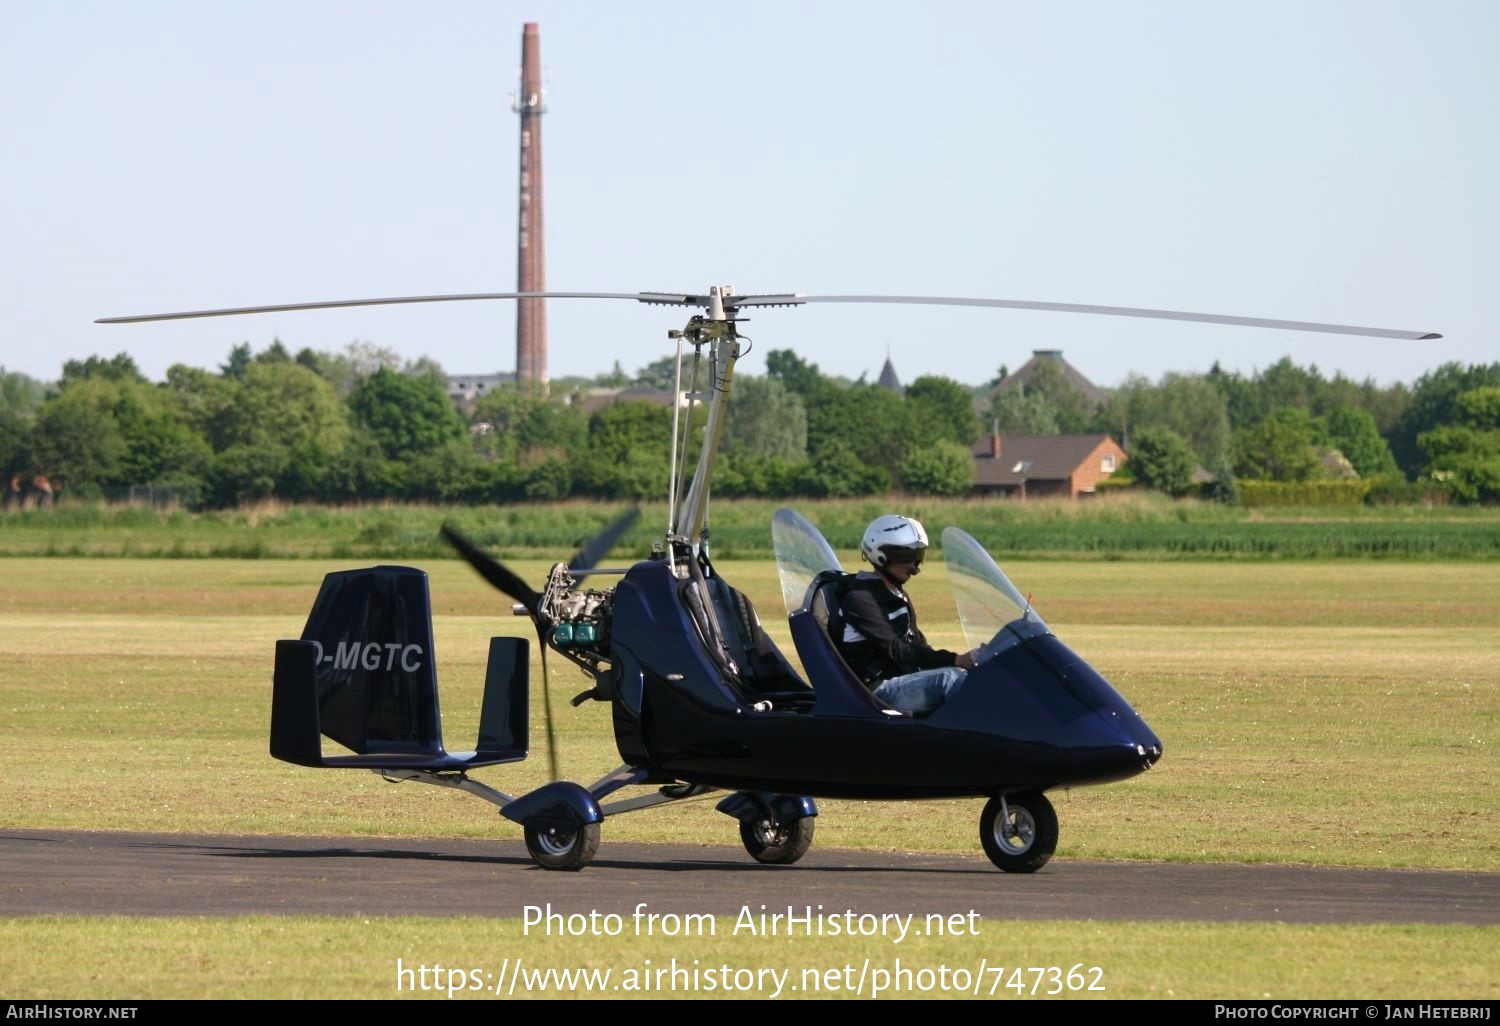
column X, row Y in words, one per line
column 675, row 299
column 1114, row 311
column 732, row 302
column 597, row 547
column 492, row 571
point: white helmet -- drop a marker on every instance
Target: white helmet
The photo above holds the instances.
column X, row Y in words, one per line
column 892, row 535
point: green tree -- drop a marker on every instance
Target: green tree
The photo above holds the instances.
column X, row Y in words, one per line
column 662, row 374
column 14, row 445
column 747, row 474
column 363, row 473
column 200, row 400
column 1434, row 403
column 357, row 362
column 799, row 376
column 160, row 447
column 1160, row 458
column 1284, row 384
column 313, row 360
column 19, row 393
column 521, row 429
column 1222, row 487
column 1480, row 408
column 406, row 415
column 1384, row 404
column 1187, row 405
column 1465, row 457
column 942, row 410
column 1463, row 460
column 281, row 433
column 76, row 438
column 1250, row 401
column 274, row 353
column 1073, row 410
column 873, row 423
column 450, row 472
column 552, row 478
column 1279, row 448
column 120, row 367
column 835, row 470
column 942, row 468
column 427, row 367
column 19, row 398
column 1353, row 432
column 1014, row 412
column 765, row 419
column 628, row 452
column 240, row 358
column 616, row 378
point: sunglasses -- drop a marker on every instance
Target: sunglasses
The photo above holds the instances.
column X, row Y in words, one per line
column 904, row 557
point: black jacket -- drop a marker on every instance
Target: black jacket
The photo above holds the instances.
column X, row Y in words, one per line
column 879, row 637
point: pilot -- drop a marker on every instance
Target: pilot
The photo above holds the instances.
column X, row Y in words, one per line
column 880, row 641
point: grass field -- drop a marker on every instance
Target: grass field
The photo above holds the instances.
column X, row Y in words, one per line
column 1131, row 525
column 1330, row 713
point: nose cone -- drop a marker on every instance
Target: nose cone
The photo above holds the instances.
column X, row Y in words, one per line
column 1148, row 747
column 1136, row 749
column 1147, row 744
column 1117, row 762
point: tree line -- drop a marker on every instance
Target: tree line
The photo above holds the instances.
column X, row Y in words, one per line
column 364, row 425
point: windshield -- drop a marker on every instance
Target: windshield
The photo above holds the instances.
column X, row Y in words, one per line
column 992, row 611
column 801, row 554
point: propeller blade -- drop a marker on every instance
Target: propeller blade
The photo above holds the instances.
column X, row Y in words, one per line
column 597, row 547
column 1114, row 311
column 493, row 571
column 506, row 581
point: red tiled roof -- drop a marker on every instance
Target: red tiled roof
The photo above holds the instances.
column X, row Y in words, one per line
column 1032, row 457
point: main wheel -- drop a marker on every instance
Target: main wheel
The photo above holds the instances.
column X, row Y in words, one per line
column 561, row 848
column 777, row 844
column 1023, row 840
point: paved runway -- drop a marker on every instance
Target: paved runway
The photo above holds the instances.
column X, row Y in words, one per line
column 86, row 873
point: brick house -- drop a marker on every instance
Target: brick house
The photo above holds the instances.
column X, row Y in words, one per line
column 1043, row 466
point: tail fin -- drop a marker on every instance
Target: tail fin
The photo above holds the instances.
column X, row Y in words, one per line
column 363, row 675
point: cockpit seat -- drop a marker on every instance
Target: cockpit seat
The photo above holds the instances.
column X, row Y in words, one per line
column 747, row 659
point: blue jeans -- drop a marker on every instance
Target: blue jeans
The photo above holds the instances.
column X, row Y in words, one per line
column 920, row 692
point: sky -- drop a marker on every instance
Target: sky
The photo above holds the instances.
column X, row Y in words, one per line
column 1310, row 160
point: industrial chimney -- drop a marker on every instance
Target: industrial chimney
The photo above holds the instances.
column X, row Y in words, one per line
column 531, row 267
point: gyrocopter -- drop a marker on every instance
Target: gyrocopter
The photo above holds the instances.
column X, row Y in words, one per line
column 702, row 700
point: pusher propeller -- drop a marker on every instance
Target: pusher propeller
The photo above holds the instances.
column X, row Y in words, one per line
column 507, row 582
column 492, row 570
column 597, row 547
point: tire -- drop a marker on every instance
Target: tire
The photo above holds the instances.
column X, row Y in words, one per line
column 777, row 845
column 1026, row 840
column 557, row 848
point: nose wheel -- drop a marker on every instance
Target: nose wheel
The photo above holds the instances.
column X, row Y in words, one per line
column 1019, row 831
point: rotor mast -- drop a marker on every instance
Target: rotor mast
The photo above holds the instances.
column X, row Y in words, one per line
column 716, row 331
